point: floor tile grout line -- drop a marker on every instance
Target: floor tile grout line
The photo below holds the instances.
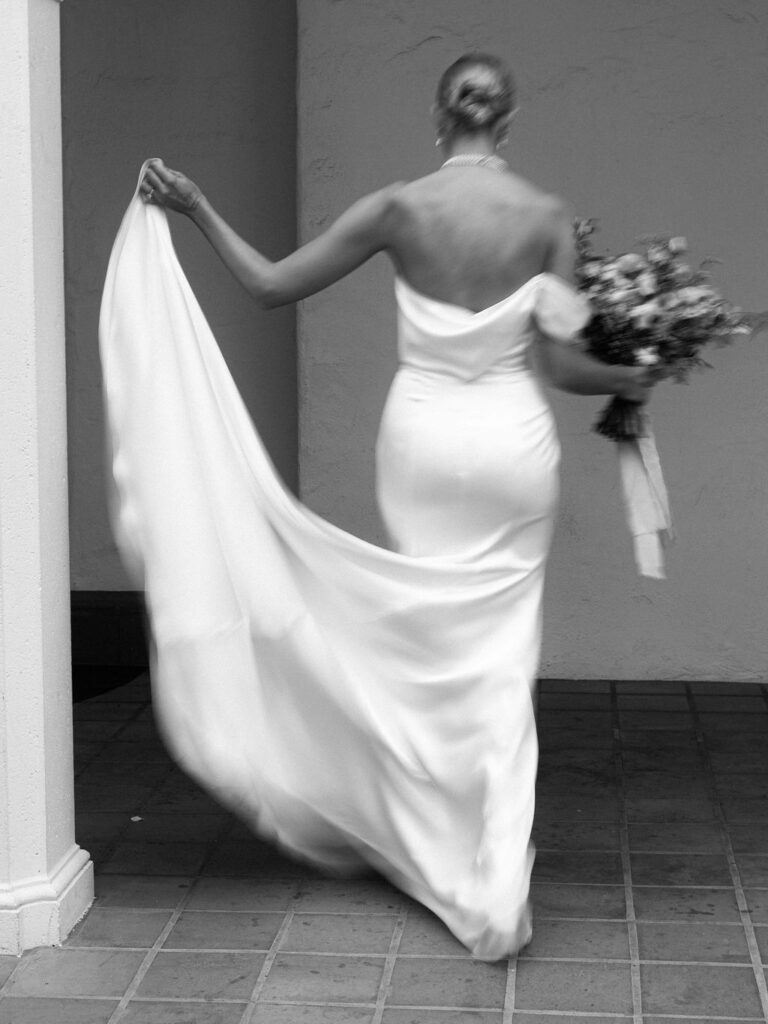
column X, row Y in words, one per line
column 645, row 961
column 583, row 918
column 385, row 984
column 648, row 853
column 741, row 900
column 330, row 954
column 212, row 845
column 331, row 1004
column 510, row 991
column 134, row 999
column 335, row 1004
column 591, row 1015
column 649, row 885
column 572, row 1014
column 103, row 744
column 709, row 1019
column 266, row 967
column 149, row 959
column 710, row 922
column 634, row 948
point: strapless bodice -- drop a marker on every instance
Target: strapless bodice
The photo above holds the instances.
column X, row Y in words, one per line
column 444, row 339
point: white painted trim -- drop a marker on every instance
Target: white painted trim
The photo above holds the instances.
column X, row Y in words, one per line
column 41, row 911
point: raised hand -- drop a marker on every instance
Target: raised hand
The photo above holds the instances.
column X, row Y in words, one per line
column 171, row 189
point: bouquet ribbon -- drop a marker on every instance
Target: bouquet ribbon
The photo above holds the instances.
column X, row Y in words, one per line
column 646, row 501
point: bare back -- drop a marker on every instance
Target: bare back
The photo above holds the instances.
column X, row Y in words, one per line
column 471, row 235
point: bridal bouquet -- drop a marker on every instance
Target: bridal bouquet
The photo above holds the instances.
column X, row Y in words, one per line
column 650, row 309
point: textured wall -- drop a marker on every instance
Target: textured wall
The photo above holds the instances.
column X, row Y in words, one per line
column 648, row 115
column 210, row 87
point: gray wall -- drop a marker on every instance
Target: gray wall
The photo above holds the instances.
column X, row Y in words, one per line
column 645, row 114
column 210, row 87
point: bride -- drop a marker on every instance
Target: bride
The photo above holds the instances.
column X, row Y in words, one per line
column 364, row 706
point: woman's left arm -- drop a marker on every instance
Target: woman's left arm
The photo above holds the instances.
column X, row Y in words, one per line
column 569, row 368
column 359, row 233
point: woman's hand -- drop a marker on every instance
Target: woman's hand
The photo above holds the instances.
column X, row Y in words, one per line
column 638, row 381
column 172, row 189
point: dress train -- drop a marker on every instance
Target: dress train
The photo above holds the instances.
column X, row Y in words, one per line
column 355, row 704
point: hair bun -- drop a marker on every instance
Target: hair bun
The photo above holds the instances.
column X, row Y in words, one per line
column 474, row 105
column 474, row 93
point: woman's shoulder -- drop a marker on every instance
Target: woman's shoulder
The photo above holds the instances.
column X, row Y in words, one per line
column 477, row 207
column 548, row 204
column 518, row 190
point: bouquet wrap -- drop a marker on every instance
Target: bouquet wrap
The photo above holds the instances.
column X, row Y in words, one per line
column 645, row 501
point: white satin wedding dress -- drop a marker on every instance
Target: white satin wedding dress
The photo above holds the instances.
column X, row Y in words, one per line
column 355, row 704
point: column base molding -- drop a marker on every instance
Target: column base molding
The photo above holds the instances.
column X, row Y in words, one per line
column 42, row 911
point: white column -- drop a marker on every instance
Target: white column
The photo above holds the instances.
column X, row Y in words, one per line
column 46, row 880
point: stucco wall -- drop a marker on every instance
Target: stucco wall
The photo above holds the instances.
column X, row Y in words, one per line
column 648, row 115
column 210, row 87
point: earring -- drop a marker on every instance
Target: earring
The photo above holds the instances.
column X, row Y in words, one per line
column 439, row 141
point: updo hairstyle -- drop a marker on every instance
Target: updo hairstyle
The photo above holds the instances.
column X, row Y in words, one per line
column 474, row 94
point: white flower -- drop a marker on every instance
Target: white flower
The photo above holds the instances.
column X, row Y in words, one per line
column 619, row 295
column 657, row 255
column 610, row 275
column 646, row 283
column 695, row 293
column 646, row 356
column 591, row 269
column 681, row 274
column 630, row 264
column 645, row 314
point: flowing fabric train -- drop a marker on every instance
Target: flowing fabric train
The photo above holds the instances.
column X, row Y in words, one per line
column 355, row 704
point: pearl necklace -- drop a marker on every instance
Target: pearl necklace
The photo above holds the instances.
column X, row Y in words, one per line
column 477, row 160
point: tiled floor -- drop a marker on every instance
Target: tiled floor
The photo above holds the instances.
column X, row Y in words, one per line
column 651, row 887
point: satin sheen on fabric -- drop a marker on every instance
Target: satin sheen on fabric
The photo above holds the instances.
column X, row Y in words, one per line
column 357, row 705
